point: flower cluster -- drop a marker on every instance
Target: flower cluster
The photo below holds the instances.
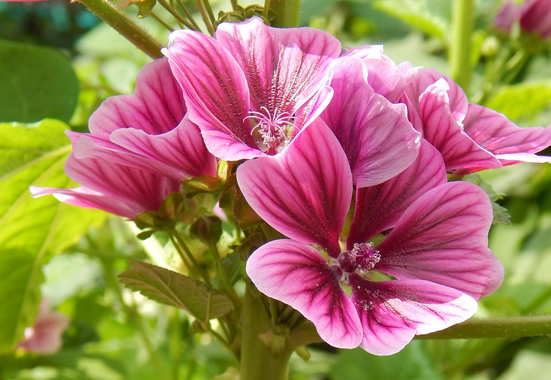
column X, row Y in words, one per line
column 343, row 152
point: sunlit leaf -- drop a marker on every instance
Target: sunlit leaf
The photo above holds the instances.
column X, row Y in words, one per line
column 37, row 83
column 32, row 230
column 431, row 17
column 171, row 288
column 500, row 213
column 521, row 101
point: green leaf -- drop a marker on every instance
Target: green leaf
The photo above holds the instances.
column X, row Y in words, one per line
column 37, row 83
column 500, row 213
column 522, row 101
column 232, row 266
column 429, row 16
column 171, row 288
column 32, row 230
column 411, row 363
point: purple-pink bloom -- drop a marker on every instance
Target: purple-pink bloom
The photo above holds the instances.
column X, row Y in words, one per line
column 535, row 17
column 140, row 148
column 470, row 137
column 44, row 337
column 437, row 249
column 252, row 88
column 506, row 16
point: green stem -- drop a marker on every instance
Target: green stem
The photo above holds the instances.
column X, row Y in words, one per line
column 266, row 10
column 510, row 327
column 287, row 13
column 161, row 21
column 175, row 342
column 126, row 27
column 205, row 16
column 134, row 317
column 234, row 5
column 188, row 14
column 460, row 46
column 257, row 359
column 182, row 244
column 176, row 15
column 218, row 261
column 209, row 11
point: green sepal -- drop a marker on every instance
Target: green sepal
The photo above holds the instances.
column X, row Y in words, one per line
column 208, row 184
column 207, row 228
column 275, row 338
column 303, row 353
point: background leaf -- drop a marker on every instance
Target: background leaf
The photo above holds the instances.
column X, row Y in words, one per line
column 37, row 83
column 174, row 289
column 32, row 230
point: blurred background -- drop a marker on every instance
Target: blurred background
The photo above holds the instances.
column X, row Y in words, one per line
column 115, row 334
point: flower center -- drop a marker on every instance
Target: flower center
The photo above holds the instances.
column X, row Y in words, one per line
column 271, row 132
column 363, row 256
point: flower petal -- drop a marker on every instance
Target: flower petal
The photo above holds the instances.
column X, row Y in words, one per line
column 422, row 79
column 495, row 133
column 393, row 312
column 182, row 148
column 378, row 208
column 296, row 274
column 121, row 182
column 216, row 93
column 443, row 237
column 83, row 197
column 285, row 68
column 99, row 147
column 444, row 132
column 303, row 192
column 157, row 105
column 385, row 77
column 375, row 134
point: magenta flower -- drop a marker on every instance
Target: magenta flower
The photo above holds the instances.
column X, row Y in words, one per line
column 253, row 88
column 45, row 336
column 140, row 148
column 535, row 17
column 437, row 250
column 506, row 16
column 470, row 137
column 375, row 134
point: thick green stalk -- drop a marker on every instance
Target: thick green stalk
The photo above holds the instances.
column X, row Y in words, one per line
column 125, row 26
column 510, row 327
column 257, row 359
column 287, row 13
column 460, row 45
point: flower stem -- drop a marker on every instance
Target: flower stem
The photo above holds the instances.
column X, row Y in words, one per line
column 182, row 245
column 257, row 359
column 125, row 26
column 460, row 45
column 234, row 5
column 161, row 21
column 509, row 327
column 205, row 16
column 287, row 13
column 266, row 10
column 188, row 14
column 176, row 15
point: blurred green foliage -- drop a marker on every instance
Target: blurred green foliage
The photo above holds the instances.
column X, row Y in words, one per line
column 116, row 334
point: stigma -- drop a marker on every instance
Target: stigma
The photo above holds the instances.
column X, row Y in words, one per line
column 272, row 131
column 362, row 257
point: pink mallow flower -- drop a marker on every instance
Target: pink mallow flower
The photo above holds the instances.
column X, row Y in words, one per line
column 140, row 148
column 436, row 252
column 470, row 137
column 534, row 16
column 252, row 88
column 45, row 336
